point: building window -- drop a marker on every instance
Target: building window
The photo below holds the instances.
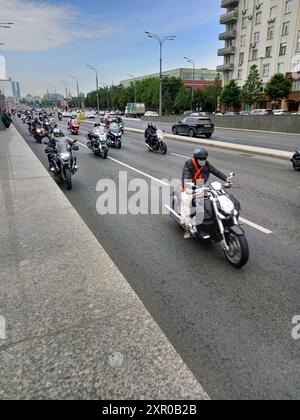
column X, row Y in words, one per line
column 240, row 74
column 271, row 32
column 258, row 18
column 266, row 70
column 286, row 28
column 256, row 37
column 281, row 68
column 244, row 23
column 268, row 52
column 241, row 59
column 282, row 50
column 288, row 6
column 254, row 54
column 298, row 43
column 296, row 86
column 246, row 4
column 243, row 40
column 273, row 12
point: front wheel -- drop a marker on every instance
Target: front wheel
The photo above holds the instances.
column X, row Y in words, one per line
column 191, row 133
column 68, row 178
column 238, row 253
column 208, row 136
column 175, row 131
column 164, row 149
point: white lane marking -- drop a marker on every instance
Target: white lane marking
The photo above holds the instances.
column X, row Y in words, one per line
column 133, row 169
column 245, row 221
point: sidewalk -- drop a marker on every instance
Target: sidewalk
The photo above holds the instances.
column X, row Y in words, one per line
column 74, row 327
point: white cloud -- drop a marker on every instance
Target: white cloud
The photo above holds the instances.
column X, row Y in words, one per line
column 40, row 26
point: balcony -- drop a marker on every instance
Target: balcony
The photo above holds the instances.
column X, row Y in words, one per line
column 226, row 51
column 229, row 17
column 225, row 67
column 228, row 3
column 231, row 34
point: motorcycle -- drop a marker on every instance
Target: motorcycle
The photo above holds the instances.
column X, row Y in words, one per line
column 64, row 164
column 220, row 223
column 296, row 160
column 156, row 142
column 114, row 137
column 38, row 134
column 74, row 127
column 60, row 117
column 97, row 142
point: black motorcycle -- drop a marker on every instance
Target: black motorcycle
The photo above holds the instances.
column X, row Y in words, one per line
column 156, row 143
column 114, row 137
column 38, row 133
column 296, row 160
column 97, row 142
column 63, row 163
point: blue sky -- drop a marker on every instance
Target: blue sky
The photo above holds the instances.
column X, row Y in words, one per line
column 53, row 39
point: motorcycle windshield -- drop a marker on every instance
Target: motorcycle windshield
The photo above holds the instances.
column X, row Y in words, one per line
column 62, row 145
column 100, row 131
column 160, row 134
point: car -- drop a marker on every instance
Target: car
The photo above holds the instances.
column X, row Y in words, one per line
column 151, row 114
column 262, row 112
column 280, row 112
column 244, row 113
column 194, row 126
column 231, row 114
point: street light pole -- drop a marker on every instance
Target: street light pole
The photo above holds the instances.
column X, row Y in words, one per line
column 161, row 41
column 66, row 87
column 97, row 85
column 135, row 91
column 189, row 60
column 77, row 84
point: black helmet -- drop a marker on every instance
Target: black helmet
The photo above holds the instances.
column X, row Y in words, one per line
column 201, row 154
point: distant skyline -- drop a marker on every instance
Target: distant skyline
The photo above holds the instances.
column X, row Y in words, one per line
column 52, row 40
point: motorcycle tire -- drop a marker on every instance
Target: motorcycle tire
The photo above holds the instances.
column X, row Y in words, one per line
column 68, row 179
column 104, row 155
column 164, row 149
column 119, row 145
column 239, row 243
column 296, row 167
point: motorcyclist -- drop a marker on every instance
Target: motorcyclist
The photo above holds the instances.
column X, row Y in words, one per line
column 196, row 171
column 51, row 147
column 150, row 134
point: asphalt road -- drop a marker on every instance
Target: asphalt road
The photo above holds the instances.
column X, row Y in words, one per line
column 280, row 141
column 232, row 328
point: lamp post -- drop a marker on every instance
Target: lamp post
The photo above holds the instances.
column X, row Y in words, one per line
column 134, row 81
column 55, row 90
column 161, row 41
column 77, row 85
column 189, row 60
column 97, row 85
column 66, row 87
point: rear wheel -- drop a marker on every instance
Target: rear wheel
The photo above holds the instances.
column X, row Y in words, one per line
column 68, row 179
column 296, row 167
column 191, row 133
column 238, row 253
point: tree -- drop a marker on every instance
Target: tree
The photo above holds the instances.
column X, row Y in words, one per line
column 278, row 88
column 183, row 100
column 231, row 95
column 253, row 87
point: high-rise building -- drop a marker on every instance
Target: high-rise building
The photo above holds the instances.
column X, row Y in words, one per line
column 261, row 32
column 16, row 90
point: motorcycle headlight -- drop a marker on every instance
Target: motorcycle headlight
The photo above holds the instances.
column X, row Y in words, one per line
column 65, row 156
column 226, row 205
column 38, row 130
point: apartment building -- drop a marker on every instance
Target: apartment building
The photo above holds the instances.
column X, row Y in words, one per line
column 265, row 33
